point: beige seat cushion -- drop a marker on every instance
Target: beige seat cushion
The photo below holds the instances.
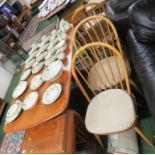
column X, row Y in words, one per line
column 96, row 1
column 100, row 84
column 109, row 112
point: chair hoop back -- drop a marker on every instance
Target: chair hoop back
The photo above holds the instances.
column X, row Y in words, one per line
column 87, row 10
column 96, row 29
column 97, row 67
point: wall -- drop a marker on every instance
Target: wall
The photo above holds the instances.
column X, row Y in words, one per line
column 5, row 79
column 7, row 70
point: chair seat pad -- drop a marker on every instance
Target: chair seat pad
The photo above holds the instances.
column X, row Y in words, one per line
column 109, row 112
column 94, row 1
column 100, row 77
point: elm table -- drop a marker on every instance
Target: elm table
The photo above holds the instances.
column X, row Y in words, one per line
column 41, row 113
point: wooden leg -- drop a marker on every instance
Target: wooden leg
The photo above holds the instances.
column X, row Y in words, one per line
column 136, row 87
column 99, row 141
column 141, row 134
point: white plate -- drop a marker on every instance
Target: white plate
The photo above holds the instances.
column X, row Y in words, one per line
column 32, row 55
column 25, row 75
column 36, row 82
column 60, row 56
column 41, row 57
column 50, row 60
column 64, row 25
column 61, row 44
column 62, row 35
column 53, row 71
column 13, row 109
column 36, row 46
column 54, row 32
column 31, row 51
column 43, row 4
column 45, row 39
column 30, row 100
column 35, row 64
column 29, row 64
column 37, row 68
column 44, row 47
column 19, row 90
column 59, row 2
column 52, row 94
column 50, row 53
column 62, row 48
column 16, row 114
column 27, row 60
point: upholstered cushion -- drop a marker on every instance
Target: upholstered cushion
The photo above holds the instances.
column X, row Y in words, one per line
column 93, row 75
column 94, row 1
column 109, row 112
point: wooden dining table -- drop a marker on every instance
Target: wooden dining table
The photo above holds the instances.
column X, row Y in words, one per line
column 53, row 12
column 41, row 113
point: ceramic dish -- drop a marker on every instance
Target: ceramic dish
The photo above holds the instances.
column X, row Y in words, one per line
column 62, row 36
column 43, row 37
column 50, row 53
column 13, row 109
column 60, row 56
column 61, row 44
column 37, row 68
column 30, row 100
column 25, row 75
column 50, row 60
column 38, row 54
column 35, row 64
column 32, row 55
column 43, row 4
column 29, row 64
column 31, row 51
column 54, row 41
column 36, row 82
column 19, row 90
column 53, row 71
column 36, row 46
column 52, row 94
column 27, row 60
column 60, row 2
column 54, row 32
column 64, row 25
column 62, row 48
column 41, row 57
column 43, row 48
column 13, row 112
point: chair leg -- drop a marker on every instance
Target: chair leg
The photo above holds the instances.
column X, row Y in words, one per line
column 99, row 141
column 142, row 135
column 136, row 87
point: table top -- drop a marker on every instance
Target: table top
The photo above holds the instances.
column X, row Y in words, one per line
column 41, row 113
column 56, row 10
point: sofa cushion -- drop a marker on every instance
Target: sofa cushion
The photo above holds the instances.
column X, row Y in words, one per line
column 142, row 19
column 143, row 57
column 120, row 5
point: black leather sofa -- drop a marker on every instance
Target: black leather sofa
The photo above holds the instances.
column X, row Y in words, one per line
column 141, row 41
column 117, row 11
